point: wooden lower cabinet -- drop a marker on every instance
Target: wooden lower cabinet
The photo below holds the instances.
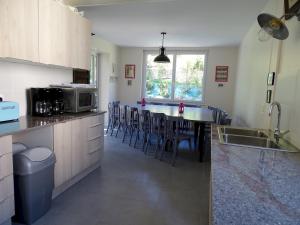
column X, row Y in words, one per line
column 63, row 152
column 79, row 146
column 7, row 206
column 75, row 150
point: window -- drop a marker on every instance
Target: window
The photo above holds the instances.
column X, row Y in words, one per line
column 93, row 69
column 180, row 80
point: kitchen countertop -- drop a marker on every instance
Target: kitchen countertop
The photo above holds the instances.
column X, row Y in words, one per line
column 254, row 186
column 26, row 123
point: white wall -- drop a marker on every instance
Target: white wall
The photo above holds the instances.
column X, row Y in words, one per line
column 256, row 60
column 15, row 78
column 219, row 96
column 130, row 94
column 109, row 55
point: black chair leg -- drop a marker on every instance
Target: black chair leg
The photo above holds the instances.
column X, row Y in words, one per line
column 190, row 144
column 144, row 140
column 112, row 129
column 125, row 132
column 136, row 138
column 109, row 122
column 147, row 144
column 131, row 135
column 163, row 150
column 118, row 129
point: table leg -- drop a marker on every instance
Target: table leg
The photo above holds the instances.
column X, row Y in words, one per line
column 201, row 142
column 196, row 133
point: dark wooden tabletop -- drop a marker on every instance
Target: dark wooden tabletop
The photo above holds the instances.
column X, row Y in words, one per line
column 190, row 113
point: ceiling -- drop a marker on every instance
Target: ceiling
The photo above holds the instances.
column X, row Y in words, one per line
column 107, row 2
column 189, row 23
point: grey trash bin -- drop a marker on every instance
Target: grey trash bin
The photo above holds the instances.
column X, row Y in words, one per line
column 34, row 183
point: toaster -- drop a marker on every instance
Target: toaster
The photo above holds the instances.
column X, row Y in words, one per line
column 9, row 111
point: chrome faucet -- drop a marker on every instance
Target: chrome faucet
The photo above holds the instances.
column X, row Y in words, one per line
column 277, row 129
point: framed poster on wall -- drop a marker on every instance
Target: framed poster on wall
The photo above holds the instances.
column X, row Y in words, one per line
column 222, row 73
column 130, row 71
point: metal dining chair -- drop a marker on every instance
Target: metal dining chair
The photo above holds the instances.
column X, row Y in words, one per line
column 144, row 127
column 157, row 124
column 116, row 116
column 173, row 135
column 110, row 117
column 122, row 122
column 132, row 123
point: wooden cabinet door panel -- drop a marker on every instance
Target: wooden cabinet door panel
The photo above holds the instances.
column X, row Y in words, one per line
column 63, row 152
column 54, row 33
column 79, row 146
column 19, row 29
column 83, row 37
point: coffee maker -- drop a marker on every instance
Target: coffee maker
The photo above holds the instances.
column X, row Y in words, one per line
column 57, row 100
column 45, row 101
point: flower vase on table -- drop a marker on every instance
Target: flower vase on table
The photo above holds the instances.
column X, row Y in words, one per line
column 143, row 102
column 181, row 108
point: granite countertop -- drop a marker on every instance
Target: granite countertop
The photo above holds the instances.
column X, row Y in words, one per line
column 26, row 123
column 254, row 186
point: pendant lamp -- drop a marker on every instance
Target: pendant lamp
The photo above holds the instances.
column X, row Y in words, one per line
column 162, row 58
column 272, row 26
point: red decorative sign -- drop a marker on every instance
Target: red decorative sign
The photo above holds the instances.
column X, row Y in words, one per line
column 129, row 71
column 222, row 73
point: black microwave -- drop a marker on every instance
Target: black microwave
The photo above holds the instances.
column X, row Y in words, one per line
column 79, row 99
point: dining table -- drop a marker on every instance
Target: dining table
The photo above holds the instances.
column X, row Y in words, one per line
column 200, row 116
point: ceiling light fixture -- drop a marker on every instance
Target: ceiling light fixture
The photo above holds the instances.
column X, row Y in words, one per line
column 162, row 58
column 271, row 26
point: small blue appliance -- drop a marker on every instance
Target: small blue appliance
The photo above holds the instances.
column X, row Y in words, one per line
column 9, row 111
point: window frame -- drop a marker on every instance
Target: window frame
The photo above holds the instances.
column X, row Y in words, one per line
column 174, row 53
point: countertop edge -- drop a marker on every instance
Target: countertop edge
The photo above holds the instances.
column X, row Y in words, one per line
column 43, row 122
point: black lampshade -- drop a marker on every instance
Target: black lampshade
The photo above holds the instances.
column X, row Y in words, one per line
column 162, row 58
column 273, row 26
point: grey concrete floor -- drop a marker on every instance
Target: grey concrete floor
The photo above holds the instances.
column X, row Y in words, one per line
column 134, row 189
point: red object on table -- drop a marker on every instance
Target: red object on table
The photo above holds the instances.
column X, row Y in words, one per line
column 181, row 107
column 143, row 102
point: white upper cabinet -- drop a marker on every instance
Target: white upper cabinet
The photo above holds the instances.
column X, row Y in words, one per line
column 54, row 34
column 19, row 29
column 44, row 31
column 64, row 37
column 83, row 40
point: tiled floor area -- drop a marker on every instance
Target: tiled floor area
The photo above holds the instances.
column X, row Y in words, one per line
column 134, row 189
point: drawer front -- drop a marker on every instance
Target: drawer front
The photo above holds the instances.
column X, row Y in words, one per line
column 6, row 165
column 7, row 209
column 96, row 120
column 6, row 187
column 95, row 132
column 95, row 157
column 5, row 145
column 95, row 145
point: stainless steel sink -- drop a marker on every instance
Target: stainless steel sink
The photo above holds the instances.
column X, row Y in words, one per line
column 249, row 141
column 243, row 132
column 255, row 138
